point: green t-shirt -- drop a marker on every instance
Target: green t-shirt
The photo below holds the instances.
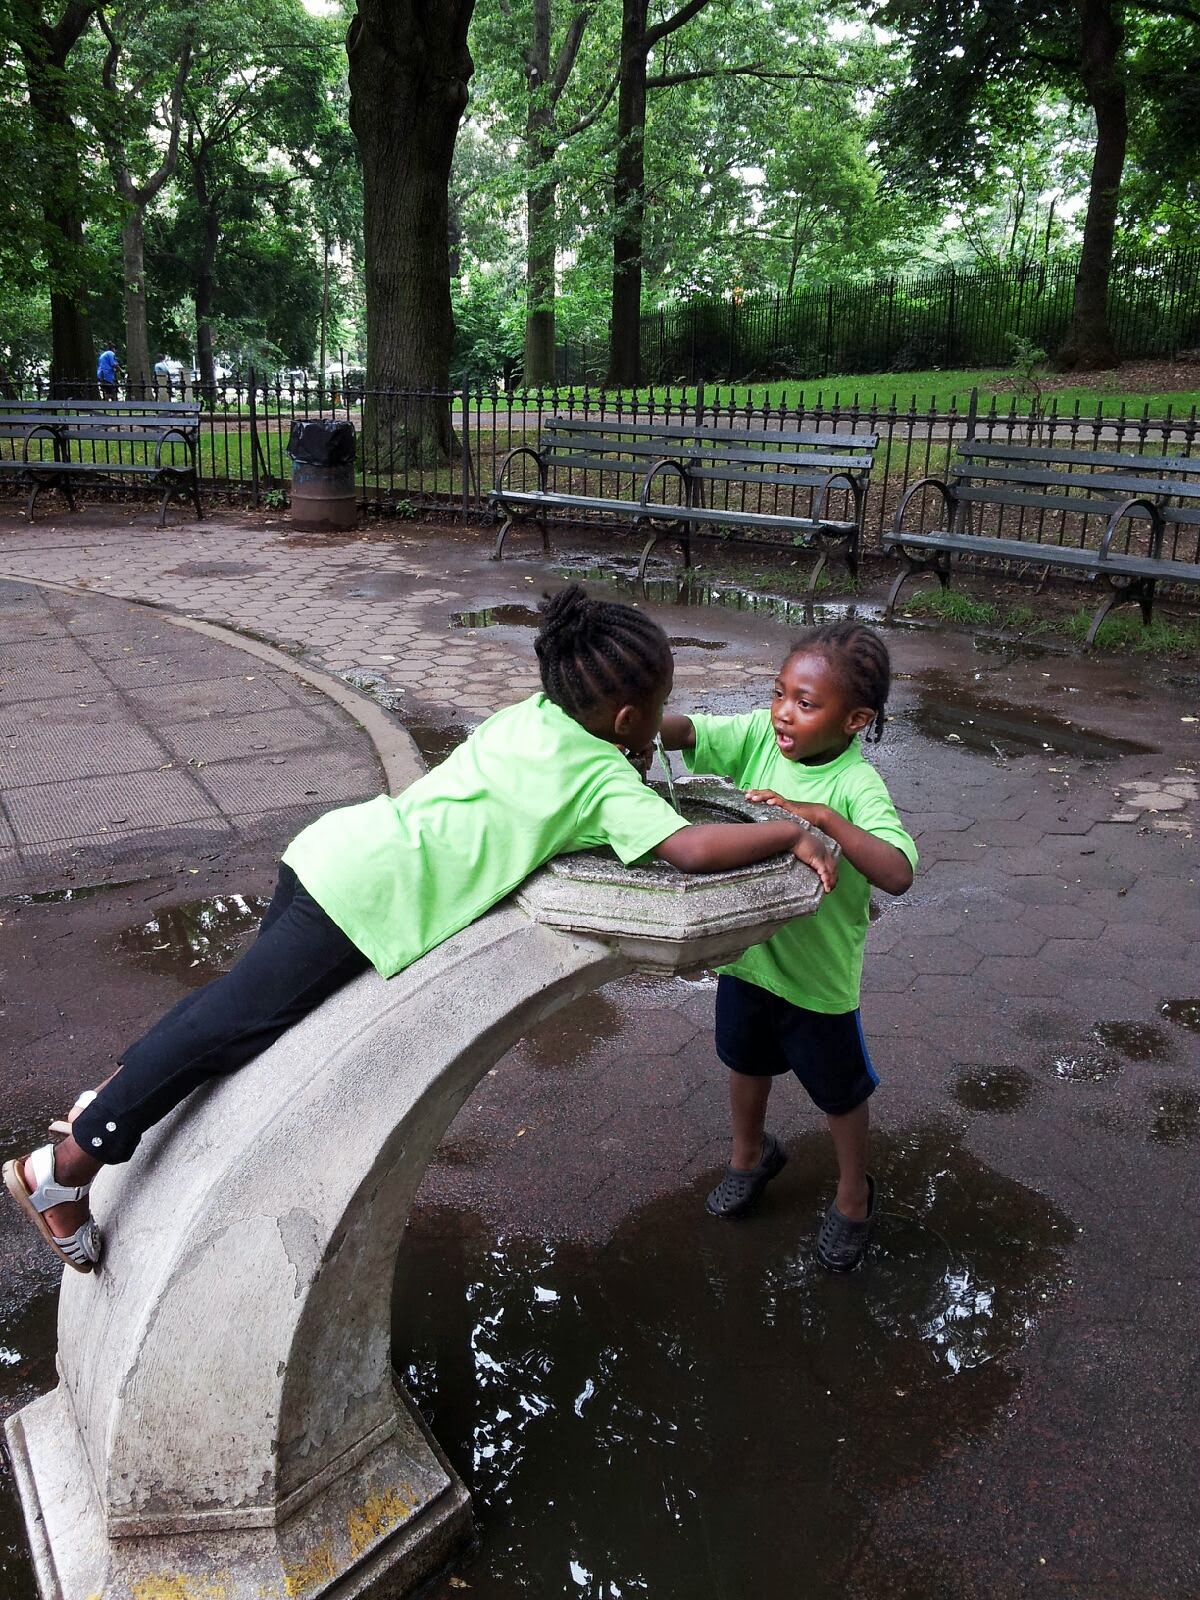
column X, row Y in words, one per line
column 401, row 874
column 813, row 961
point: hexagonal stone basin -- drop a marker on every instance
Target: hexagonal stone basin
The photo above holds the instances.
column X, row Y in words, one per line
column 662, row 919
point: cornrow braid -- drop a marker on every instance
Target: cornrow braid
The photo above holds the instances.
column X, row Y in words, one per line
column 592, row 650
column 860, row 662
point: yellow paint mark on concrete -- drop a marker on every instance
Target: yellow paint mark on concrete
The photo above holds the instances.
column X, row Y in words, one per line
column 180, row 1586
column 376, row 1516
column 299, row 1576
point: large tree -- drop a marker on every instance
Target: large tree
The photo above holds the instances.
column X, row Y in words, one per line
column 145, row 68
column 45, row 46
column 409, row 70
column 975, row 73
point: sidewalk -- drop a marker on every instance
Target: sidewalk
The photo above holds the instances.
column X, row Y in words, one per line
column 1003, row 1401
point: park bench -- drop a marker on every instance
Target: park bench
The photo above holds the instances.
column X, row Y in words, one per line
column 1131, row 519
column 62, row 443
column 762, row 486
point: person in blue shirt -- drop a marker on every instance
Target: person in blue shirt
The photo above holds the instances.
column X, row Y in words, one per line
column 106, row 373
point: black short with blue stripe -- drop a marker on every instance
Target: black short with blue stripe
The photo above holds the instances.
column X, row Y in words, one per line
column 762, row 1035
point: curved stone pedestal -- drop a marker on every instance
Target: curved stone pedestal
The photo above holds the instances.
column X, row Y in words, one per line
column 227, row 1425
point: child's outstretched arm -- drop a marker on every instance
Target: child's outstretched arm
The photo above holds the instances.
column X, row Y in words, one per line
column 715, row 846
column 880, row 863
column 677, row 732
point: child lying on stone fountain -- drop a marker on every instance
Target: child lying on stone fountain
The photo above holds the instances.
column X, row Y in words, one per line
column 381, row 883
column 791, row 1004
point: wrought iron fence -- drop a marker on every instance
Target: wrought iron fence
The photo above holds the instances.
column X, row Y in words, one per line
column 951, row 318
column 244, row 430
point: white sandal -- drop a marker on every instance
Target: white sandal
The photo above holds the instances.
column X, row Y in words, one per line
column 80, row 1250
column 63, row 1124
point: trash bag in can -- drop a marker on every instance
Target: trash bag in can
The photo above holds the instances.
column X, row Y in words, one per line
column 321, row 441
column 322, row 452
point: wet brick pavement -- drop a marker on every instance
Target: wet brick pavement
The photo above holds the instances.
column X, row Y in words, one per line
column 1032, row 1006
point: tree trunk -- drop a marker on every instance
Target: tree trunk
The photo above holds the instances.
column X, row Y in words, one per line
column 409, row 69
column 137, row 336
column 539, row 206
column 44, row 50
column 206, row 279
column 629, row 202
column 1089, row 343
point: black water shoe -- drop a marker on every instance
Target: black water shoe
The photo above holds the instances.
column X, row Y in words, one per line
column 740, row 1188
column 842, row 1242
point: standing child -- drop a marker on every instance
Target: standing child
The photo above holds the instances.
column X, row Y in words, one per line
column 791, row 1004
column 381, row 883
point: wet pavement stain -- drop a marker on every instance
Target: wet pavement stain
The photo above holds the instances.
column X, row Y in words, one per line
column 682, row 642
column 497, row 617
column 692, row 590
column 62, row 897
column 435, row 741
column 1082, row 1066
column 950, row 708
column 195, row 941
column 615, row 1408
column 376, row 586
column 998, row 1089
column 1136, row 1041
column 1176, row 1116
column 1008, row 650
column 1185, row 1012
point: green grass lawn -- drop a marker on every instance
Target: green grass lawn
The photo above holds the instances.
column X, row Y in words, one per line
column 932, row 391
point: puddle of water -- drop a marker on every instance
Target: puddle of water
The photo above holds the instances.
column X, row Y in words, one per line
column 1083, row 1066
column 681, row 642
column 197, row 940
column 1136, row 1041
column 1185, row 1012
column 1176, row 1116
column 685, row 590
column 1009, row 649
column 62, row 897
column 953, row 709
column 998, row 1089
column 497, row 617
column 435, row 741
column 376, row 586
column 215, row 569
column 690, row 1409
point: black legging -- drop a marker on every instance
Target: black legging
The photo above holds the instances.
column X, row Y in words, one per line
column 299, row 958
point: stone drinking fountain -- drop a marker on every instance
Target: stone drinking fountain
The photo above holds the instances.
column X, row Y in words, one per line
column 227, row 1424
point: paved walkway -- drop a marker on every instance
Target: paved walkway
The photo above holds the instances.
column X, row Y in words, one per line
column 1003, row 1402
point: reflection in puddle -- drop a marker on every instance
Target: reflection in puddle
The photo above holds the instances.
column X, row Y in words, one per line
column 1185, row 1012
column 694, row 1410
column 691, row 590
column 1009, row 649
column 63, row 897
column 197, row 940
column 952, row 709
column 1136, row 1041
column 435, row 741
column 497, row 617
column 1176, row 1116
column 1083, row 1066
column 996, row 1089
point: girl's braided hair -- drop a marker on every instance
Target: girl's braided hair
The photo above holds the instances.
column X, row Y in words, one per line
column 860, row 663
column 591, row 650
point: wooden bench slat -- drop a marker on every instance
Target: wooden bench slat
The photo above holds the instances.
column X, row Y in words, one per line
column 1103, row 483
column 676, row 430
column 1099, row 458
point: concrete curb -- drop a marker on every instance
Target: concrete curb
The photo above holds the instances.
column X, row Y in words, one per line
column 394, row 746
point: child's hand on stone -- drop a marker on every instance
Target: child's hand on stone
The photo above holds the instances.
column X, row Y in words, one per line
column 809, row 849
column 795, row 808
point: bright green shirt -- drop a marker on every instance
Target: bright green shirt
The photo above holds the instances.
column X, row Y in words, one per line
column 401, row 874
column 813, row 961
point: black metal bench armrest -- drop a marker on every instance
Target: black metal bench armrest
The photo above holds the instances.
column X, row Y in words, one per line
column 853, row 481
column 520, row 450
column 667, row 463
column 55, row 432
column 1119, row 515
column 944, row 489
column 185, row 438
